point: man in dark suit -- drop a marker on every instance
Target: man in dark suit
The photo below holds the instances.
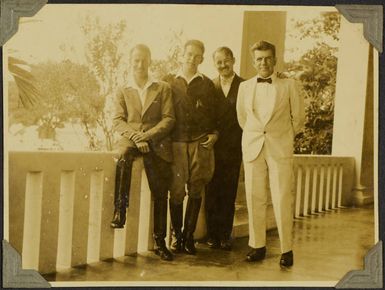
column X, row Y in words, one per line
column 222, row 190
column 144, row 117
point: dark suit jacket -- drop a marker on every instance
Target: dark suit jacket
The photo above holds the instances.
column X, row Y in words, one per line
column 156, row 118
column 228, row 145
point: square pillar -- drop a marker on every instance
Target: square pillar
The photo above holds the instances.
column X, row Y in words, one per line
column 353, row 110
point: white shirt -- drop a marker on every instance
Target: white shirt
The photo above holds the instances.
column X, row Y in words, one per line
column 226, row 84
column 197, row 74
column 264, row 99
column 142, row 92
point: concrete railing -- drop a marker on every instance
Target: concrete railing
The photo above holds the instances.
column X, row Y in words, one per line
column 61, row 205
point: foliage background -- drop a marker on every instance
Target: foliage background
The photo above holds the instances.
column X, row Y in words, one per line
column 53, row 95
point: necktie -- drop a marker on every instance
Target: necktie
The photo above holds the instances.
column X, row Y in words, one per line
column 261, row 80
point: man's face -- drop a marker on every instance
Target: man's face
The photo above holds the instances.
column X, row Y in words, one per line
column 192, row 57
column 264, row 62
column 224, row 64
column 140, row 62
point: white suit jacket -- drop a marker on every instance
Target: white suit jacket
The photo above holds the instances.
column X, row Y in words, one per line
column 285, row 122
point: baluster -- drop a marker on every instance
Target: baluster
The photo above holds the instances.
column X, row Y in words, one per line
column 314, row 189
column 321, row 189
column 340, row 179
column 66, row 211
column 328, row 177
column 334, row 192
column 95, row 216
column 307, row 191
column 298, row 193
column 145, row 214
column 32, row 220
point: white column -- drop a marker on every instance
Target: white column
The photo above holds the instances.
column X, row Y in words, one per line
column 350, row 100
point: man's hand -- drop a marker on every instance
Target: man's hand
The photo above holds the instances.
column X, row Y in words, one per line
column 139, row 137
column 281, row 75
column 209, row 143
column 143, row 147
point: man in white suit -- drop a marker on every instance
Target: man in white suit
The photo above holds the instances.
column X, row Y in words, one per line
column 270, row 111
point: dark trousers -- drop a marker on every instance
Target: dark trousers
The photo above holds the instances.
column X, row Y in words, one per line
column 158, row 173
column 220, row 198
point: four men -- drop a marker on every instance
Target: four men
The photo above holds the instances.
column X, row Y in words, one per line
column 178, row 128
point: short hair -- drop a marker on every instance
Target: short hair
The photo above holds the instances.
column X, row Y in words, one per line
column 196, row 43
column 142, row 47
column 262, row 45
column 225, row 50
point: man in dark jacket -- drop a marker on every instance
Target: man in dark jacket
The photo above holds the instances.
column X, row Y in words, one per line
column 194, row 136
column 222, row 189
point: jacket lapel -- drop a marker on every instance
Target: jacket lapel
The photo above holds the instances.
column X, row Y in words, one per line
column 232, row 96
column 278, row 97
column 132, row 99
column 152, row 92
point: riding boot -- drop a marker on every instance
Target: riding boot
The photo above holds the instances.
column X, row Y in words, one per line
column 176, row 212
column 122, row 188
column 160, row 228
column 191, row 218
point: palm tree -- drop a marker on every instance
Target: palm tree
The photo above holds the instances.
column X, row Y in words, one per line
column 28, row 93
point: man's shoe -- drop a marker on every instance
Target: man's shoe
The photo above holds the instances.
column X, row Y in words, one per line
column 226, row 245
column 119, row 219
column 286, row 259
column 189, row 245
column 177, row 244
column 257, row 254
column 213, row 243
column 164, row 253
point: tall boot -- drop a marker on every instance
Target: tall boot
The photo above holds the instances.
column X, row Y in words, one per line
column 160, row 228
column 191, row 218
column 176, row 212
column 122, row 188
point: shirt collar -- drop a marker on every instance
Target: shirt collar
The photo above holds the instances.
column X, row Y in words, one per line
column 197, row 74
column 227, row 80
column 273, row 77
column 132, row 84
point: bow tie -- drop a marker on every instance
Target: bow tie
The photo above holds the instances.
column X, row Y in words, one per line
column 261, row 80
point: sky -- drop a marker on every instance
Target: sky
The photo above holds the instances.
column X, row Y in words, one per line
column 57, row 26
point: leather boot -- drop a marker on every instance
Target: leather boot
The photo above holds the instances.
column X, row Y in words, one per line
column 191, row 218
column 162, row 251
column 122, row 189
column 176, row 212
column 160, row 228
column 119, row 218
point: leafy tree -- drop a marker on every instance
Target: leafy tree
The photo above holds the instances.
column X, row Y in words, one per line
column 162, row 67
column 106, row 55
column 317, row 70
column 68, row 92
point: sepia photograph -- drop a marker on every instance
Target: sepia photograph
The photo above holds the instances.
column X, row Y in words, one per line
column 190, row 145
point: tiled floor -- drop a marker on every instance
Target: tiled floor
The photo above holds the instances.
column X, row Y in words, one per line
column 326, row 247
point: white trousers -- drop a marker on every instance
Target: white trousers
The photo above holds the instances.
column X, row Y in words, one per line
column 278, row 173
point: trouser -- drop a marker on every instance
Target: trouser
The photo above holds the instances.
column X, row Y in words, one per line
column 193, row 166
column 279, row 172
column 158, row 173
column 220, row 198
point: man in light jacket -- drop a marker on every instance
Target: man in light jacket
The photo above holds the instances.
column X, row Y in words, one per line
column 144, row 117
column 270, row 111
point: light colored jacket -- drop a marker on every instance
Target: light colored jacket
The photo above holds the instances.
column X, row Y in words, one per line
column 155, row 118
column 285, row 122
